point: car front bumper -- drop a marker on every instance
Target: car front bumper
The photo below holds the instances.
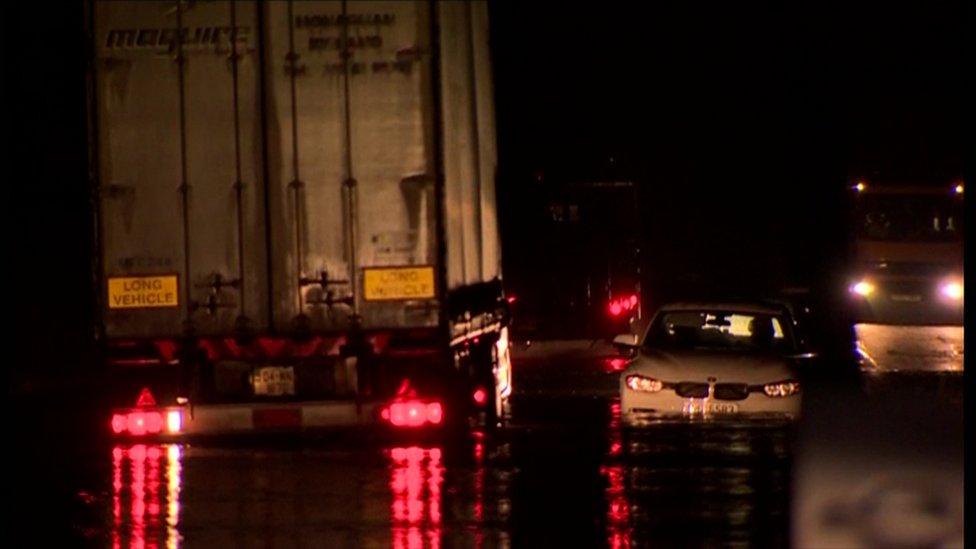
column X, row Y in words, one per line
column 637, row 407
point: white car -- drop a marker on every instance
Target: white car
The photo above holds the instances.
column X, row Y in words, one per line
column 712, row 359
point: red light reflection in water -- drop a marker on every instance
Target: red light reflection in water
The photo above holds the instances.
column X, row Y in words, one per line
column 479, row 487
column 415, row 482
column 141, row 523
column 618, row 506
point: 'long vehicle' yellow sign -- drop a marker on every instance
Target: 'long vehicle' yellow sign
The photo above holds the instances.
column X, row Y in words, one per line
column 392, row 283
column 138, row 292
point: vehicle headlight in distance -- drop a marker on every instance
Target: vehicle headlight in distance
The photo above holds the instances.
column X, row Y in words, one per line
column 952, row 289
column 644, row 384
column 862, row 288
column 782, row 388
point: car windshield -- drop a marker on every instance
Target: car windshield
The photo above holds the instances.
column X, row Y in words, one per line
column 720, row 330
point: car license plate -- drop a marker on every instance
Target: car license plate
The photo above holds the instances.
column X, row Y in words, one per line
column 274, row 380
column 906, row 297
column 720, row 408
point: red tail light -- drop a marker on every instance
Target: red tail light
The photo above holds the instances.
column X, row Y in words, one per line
column 119, row 423
column 435, row 413
column 414, row 413
column 480, row 396
column 407, row 410
column 146, row 418
column 622, row 305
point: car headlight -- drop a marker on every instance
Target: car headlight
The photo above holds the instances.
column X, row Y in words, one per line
column 782, row 388
column 862, row 288
column 952, row 289
column 644, row 384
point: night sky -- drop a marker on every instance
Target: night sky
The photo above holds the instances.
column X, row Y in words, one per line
column 741, row 122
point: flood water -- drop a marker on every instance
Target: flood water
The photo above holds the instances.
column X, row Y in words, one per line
column 561, row 472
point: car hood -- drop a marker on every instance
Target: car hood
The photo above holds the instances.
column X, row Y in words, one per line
column 723, row 366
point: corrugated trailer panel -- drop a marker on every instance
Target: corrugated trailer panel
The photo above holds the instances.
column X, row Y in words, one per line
column 306, row 157
column 484, row 98
column 143, row 168
column 461, row 174
column 362, row 157
column 220, row 153
column 392, row 161
column 469, row 145
column 325, row 161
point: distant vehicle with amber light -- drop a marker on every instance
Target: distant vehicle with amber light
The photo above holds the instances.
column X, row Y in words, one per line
column 907, row 253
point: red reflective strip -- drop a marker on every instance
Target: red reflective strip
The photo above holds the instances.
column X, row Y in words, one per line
column 306, row 348
column 135, row 361
column 146, row 398
column 272, row 347
column 269, row 418
column 380, row 342
column 411, row 352
column 213, row 353
column 232, row 347
column 167, row 349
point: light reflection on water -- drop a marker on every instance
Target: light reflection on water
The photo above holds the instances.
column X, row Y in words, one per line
column 416, row 476
column 618, row 506
column 669, row 484
column 140, row 494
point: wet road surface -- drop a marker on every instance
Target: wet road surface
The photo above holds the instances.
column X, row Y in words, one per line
column 561, row 473
column 911, row 348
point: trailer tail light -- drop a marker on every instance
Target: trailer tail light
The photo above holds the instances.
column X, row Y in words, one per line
column 174, row 421
column 413, row 413
column 480, row 396
column 146, row 418
column 407, row 410
column 625, row 304
column 142, row 423
column 435, row 413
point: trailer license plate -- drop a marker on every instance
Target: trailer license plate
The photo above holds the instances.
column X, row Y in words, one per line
column 274, row 381
column 394, row 283
column 910, row 298
column 720, row 408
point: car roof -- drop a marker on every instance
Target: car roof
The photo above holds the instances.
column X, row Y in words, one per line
column 753, row 307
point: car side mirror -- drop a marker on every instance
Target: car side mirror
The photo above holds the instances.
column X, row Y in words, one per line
column 625, row 342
